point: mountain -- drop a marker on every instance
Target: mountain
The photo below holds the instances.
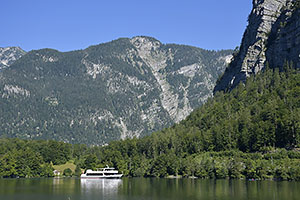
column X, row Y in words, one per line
column 9, row 55
column 272, row 36
column 124, row 88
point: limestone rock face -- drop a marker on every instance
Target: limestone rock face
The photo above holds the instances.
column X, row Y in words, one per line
column 283, row 44
column 272, row 36
column 9, row 55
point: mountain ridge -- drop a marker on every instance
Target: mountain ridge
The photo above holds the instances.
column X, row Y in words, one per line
column 129, row 87
column 8, row 55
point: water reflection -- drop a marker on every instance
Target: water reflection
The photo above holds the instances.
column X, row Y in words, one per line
column 106, row 187
column 57, row 181
column 64, row 186
column 146, row 189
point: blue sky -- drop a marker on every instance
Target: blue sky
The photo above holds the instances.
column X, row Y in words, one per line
column 72, row 24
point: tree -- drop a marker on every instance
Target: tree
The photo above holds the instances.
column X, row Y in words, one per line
column 47, row 170
column 67, row 172
column 28, row 163
column 90, row 162
column 8, row 165
column 78, row 171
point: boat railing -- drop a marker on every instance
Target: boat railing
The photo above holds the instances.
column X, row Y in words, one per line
column 105, row 169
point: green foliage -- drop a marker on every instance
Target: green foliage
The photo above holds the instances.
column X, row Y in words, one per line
column 8, row 165
column 47, row 170
column 90, row 161
column 28, row 163
column 57, row 152
column 67, row 172
column 24, row 158
column 262, row 113
column 77, row 171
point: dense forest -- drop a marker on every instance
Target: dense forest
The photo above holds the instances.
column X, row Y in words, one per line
column 252, row 132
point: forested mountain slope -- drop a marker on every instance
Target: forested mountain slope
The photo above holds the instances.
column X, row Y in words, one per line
column 252, row 132
column 251, row 128
column 124, row 88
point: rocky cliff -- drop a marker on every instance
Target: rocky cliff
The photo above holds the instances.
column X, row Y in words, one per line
column 9, row 55
column 125, row 88
column 272, row 36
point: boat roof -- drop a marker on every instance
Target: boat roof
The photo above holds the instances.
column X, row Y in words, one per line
column 101, row 169
column 106, row 168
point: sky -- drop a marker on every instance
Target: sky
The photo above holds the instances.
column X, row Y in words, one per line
column 68, row 25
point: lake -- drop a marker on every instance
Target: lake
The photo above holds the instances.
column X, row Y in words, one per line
column 146, row 189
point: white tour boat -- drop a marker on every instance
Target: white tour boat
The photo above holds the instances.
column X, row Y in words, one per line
column 107, row 172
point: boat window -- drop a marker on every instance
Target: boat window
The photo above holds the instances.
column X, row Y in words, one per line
column 95, row 174
column 101, row 174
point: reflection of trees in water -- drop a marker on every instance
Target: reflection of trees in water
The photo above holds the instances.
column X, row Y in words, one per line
column 63, row 185
column 106, row 186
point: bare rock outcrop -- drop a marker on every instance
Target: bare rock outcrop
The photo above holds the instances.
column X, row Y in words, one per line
column 272, row 36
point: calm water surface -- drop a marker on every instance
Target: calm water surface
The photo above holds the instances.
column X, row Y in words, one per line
column 146, row 189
